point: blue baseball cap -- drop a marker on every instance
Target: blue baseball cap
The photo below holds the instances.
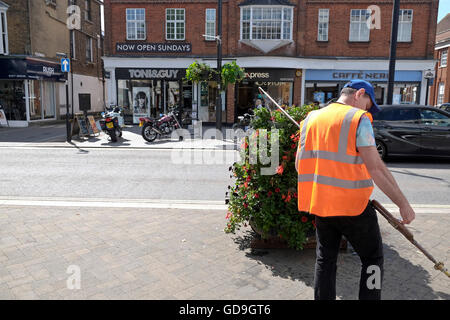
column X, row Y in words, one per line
column 362, row 84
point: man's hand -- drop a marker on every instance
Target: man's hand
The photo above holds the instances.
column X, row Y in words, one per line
column 386, row 182
column 407, row 214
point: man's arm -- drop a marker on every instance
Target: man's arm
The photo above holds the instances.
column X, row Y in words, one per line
column 386, row 182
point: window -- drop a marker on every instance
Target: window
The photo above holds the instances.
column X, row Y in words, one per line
column 359, row 30
column 3, row 33
column 210, row 24
column 324, row 17
column 87, row 10
column 444, row 55
column 175, row 24
column 434, row 118
column 405, row 25
column 266, row 23
column 136, row 24
column 398, row 114
column 89, row 55
column 440, row 99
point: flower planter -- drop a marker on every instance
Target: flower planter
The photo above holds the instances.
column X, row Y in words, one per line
column 273, row 241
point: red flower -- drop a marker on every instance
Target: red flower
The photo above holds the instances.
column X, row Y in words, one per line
column 269, row 193
column 285, row 157
column 246, row 184
column 245, row 196
column 283, row 196
column 245, row 205
column 304, row 219
column 280, row 170
column 249, row 178
column 313, row 223
column 272, row 118
column 228, row 215
column 256, row 195
column 288, row 198
column 293, row 146
column 295, row 195
column 277, row 190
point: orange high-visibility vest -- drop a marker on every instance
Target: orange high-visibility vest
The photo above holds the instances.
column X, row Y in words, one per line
column 332, row 178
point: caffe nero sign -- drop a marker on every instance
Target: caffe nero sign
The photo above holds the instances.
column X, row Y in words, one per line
column 150, row 73
column 153, row 47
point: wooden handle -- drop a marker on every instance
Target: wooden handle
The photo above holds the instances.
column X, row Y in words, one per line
column 392, row 220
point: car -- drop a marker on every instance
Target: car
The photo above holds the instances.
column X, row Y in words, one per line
column 445, row 107
column 411, row 130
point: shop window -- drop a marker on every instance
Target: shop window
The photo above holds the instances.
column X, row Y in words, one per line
column 266, row 23
column 41, row 97
column 324, row 17
column 3, row 32
column 405, row 25
column 210, row 24
column 136, row 24
column 207, row 109
column 175, row 24
column 12, row 100
column 359, row 30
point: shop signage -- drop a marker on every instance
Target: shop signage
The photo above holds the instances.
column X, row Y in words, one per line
column 270, row 75
column 369, row 75
column 150, row 73
column 153, row 47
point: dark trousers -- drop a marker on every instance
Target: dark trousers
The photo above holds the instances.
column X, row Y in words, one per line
column 363, row 233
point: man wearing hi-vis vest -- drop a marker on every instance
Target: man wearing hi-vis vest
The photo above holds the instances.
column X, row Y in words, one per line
column 336, row 162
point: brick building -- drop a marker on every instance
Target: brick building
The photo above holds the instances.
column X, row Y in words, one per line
column 300, row 51
column 440, row 91
column 34, row 34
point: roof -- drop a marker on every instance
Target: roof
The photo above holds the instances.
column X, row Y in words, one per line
column 266, row 3
column 444, row 24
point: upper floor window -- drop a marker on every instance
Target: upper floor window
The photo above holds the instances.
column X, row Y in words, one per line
column 324, row 18
column 210, row 24
column 87, row 10
column 444, row 55
column 3, row 32
column 359, row 30
column 266, row 23
column 405, row 25
column 136, row 24
column 441, row 93
column 175, row 24
column 89, row 52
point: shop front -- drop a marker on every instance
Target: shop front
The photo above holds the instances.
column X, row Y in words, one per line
column 28, row 88
column 150, row 92
column 279, row 83
column 322, row 86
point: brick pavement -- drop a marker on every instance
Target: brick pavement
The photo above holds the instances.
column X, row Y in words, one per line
column 184, row 254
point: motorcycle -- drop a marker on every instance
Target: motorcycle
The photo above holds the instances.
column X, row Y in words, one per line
column 162, row 127
column 112, row 122
column 243, row 122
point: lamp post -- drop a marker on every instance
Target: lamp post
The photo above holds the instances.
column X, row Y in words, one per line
column 219, row 67
column 393, row 51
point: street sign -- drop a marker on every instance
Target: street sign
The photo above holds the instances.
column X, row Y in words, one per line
column 65, row 65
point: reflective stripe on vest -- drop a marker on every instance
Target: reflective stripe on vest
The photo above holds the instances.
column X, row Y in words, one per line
column 347, row 184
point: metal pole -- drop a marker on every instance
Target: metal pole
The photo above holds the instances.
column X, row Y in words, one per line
column 393, row 51
column 428, row 89
column 219, row 68
column 69, row 137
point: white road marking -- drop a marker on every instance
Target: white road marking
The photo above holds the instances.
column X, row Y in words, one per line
column 165, row 204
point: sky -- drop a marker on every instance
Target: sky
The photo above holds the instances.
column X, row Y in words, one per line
column 444, row 8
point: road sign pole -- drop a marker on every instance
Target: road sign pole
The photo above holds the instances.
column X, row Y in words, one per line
column 69, row 134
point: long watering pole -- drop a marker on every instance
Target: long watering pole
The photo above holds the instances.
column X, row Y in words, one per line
column 278, row 106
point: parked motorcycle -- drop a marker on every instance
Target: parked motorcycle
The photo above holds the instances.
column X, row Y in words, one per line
column 112, row 122
column 162, row 127
column 243, row 122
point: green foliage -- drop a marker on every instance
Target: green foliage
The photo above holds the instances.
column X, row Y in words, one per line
column 231, row 73
column 269, row 202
